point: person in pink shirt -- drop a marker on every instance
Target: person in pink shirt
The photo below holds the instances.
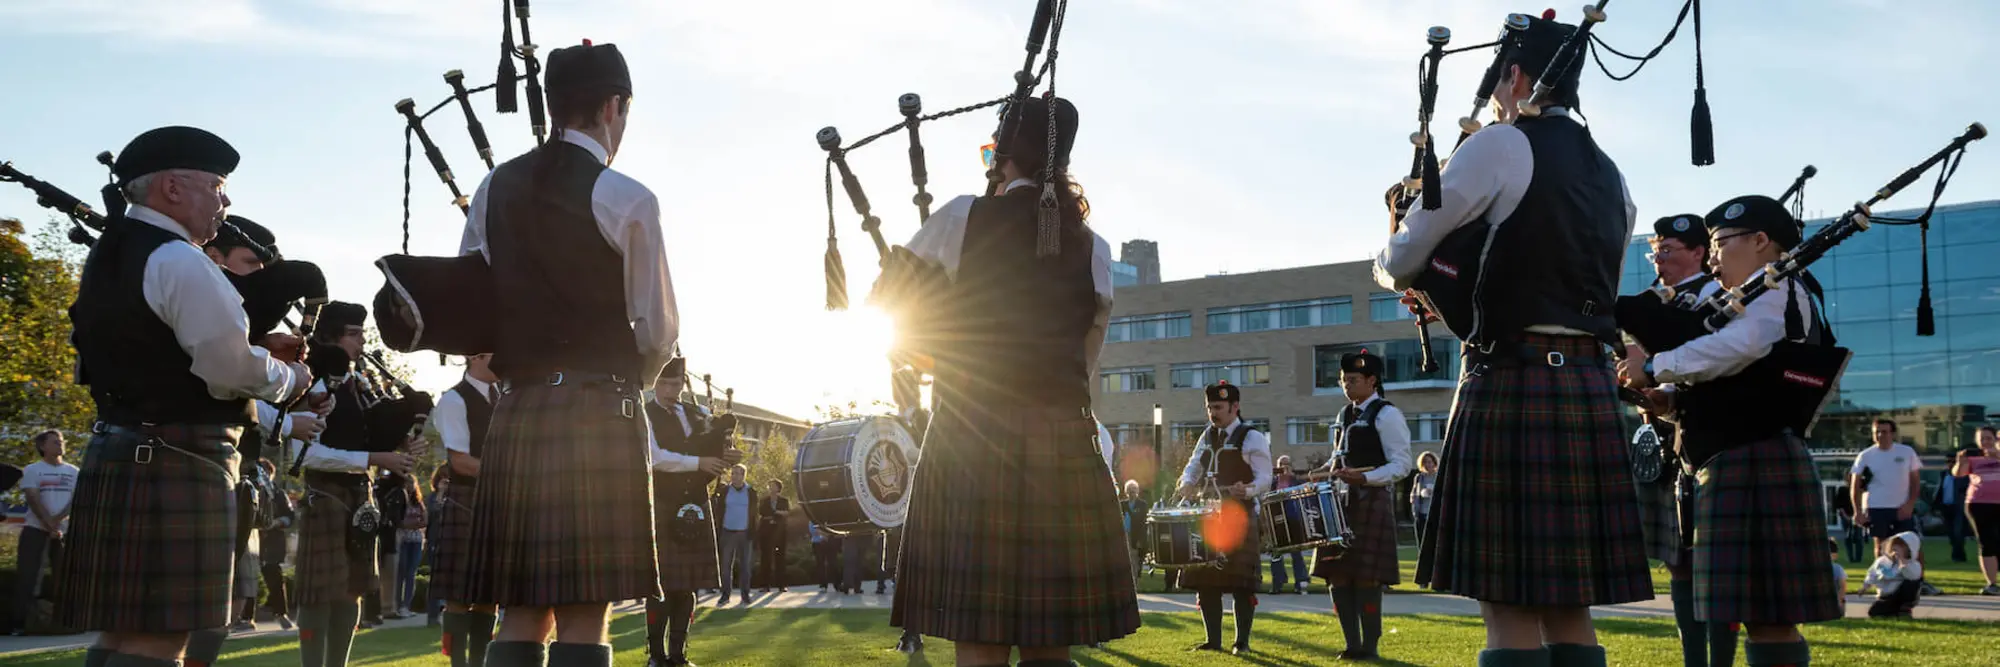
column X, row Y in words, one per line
column 1982, row 502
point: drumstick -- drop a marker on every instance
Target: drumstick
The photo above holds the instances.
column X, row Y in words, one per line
column 1317, row 475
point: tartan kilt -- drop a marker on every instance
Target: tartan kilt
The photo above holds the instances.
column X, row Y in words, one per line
column 565, row 502
column 1242, row 569
column 1013, row 537
column 1372, row 555
column 1534, row 503
column 327, row 570
column 1760, row 538
column 1659, row 517
column 151, row 546
column 688, row 560
column 451, row 543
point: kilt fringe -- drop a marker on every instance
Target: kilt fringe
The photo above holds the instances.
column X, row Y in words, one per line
column 1534, row 503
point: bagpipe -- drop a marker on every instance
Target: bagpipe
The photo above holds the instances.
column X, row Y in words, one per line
column 1807, row 372
column 907, row 280
column 1444, row 289
column 443, row 304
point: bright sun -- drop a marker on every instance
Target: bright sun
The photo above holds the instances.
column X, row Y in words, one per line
column 849, row 358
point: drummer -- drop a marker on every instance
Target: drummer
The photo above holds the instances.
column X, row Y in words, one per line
column 1239, row 457
column 1372, row 452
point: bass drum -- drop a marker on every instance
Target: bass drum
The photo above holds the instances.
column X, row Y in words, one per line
column 853, row 475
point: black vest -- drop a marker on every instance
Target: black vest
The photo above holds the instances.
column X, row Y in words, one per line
column 127, row 355
column 1230, row 465
column 667, row 434
column 1754, row 404
column 1686, row 297
column 1012, row 329
column 1490, row 282
column 559, row 286
column 1359, row 437
column 478, row 413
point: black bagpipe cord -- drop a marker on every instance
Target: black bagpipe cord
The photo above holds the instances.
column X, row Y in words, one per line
column 1701, row 129
column 1926, row 317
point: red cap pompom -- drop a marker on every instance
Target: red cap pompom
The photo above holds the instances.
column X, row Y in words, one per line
column 586, row 43
column 1549, row 14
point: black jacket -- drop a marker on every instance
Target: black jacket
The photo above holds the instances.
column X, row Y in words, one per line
column 719, row 501
column 771, row 527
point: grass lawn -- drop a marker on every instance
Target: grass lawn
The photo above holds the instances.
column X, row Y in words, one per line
column 1952, row 578
column 856, row 637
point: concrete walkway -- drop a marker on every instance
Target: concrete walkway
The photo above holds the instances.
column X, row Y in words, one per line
column 1953, row 607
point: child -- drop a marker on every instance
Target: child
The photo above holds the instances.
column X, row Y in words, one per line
column 1839, row 573
column 1898, row 575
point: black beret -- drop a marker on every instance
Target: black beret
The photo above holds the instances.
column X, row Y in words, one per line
column 1361, row 362
column 1757, row 213
column 1027, row 138
column 240, row 232
column 587, row 70
column 175, row 147
column 1687, row 228
column 675, row 368
column 1535, row 48
column 1222, row 390
column 336, row 316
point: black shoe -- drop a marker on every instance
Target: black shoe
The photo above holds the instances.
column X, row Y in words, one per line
column 1205, row 646
column 723, row 601
column 1239, row 649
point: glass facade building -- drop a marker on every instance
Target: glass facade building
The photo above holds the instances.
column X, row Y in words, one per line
column 1937, row 388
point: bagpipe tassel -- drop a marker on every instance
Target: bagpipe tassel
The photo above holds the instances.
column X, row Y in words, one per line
column 1433, row 191
column 1702, row 130
column 1048, row 223
column 505, row 82
column 836, row 277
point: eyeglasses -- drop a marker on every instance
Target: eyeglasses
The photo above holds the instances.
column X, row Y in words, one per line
column 986, row 154
column 1720, row 240
column 1663, row 253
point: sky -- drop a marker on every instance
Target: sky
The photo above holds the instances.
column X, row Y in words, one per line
column 1241, row 136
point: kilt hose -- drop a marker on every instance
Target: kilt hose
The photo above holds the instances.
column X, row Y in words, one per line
column 1760, row 538
column 1242, row 569
column 1534, row 503
column 152, row 539
column 451, row 543
column 1659, row 517
column 1372, row 556
column 685, row 535
column 1013, row 536
column 327, row 570
column 564, row 510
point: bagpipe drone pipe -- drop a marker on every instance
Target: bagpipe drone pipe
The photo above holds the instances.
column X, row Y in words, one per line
column 1807, row 372
column 1445, row 287
column 443, row 304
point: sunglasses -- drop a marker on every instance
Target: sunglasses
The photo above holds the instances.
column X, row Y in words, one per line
column 986, row 154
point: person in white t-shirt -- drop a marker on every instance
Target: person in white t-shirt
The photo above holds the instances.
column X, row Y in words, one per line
column 1886, row 475
column 48, row 485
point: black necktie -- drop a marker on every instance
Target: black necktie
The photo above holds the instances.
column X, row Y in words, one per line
column 492, row 395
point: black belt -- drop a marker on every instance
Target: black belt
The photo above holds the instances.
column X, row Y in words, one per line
column 143, row 443
column 1516, row 354
column 616, row 382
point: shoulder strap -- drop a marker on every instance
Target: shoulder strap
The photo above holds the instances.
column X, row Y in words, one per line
column 1373, row 410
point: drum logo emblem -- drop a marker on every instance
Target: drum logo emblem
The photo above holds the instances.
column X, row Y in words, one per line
column 888, row 471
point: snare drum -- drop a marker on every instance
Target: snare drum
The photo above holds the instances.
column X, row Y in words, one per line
column 854, row 474
column 1303, row 517
column 1175, row 536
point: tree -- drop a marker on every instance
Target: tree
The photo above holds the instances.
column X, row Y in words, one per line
column 37, row 364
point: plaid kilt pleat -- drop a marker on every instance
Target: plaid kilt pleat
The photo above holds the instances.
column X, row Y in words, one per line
column 1760, row 538
column 688, row 558
column 1372, row 554
column 1242, row 569
column 151, row 546
column 327, row 570
column 1659, row 517
column 1013, row 536
column 451, row 543
column 564, row 512
column 1534, row 504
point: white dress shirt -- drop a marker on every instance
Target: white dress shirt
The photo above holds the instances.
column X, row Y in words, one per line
column 942, row 240
column 1256, row 453
column 1395, row 432
column 628, row 216
column 189, row 293
column 330, row 459
column 1485, row 179
column 1741, row 342
column 449, row 416
column 671, row 461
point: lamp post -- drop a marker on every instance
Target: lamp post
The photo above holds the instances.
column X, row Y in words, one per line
column 1159, row 415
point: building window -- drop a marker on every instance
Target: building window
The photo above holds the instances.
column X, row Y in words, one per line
column 1259, row 423
column 1387, row 307
column 1404, row 360
column 1149, row 327
column 1309, row 430
column 1284, row 315
column 1129, row 434
column 1138, row 378
column 1188, row 432
column 1202, row 374
column 1427, row 426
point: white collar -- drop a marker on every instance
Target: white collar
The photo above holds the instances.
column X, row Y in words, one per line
column 482, row 386
column 157, row 219
column 589, row 144
column 1363, row 405
column 1692, row 278
column 1018, row 183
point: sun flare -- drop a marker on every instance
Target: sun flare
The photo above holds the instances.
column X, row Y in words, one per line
column 850, row 356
